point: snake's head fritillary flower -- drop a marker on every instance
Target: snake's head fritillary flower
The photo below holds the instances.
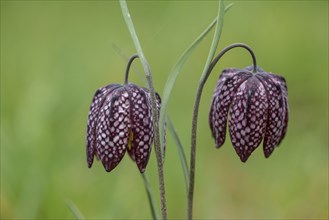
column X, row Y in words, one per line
column 120, row 120
column 257, row 104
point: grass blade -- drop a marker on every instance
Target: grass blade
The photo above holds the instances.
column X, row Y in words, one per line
column 74, row 209
column 202, row 82
column 181, row 152
column 150, row 196
column 157, row 142
column 176, row 70
column 173, row 75
column 215, row 41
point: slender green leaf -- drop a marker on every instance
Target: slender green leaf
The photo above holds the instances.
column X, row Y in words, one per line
column 74, row 209
column 131, row 28
column 176, row 70
column 180, row 149
column 215, row 41
column 157, row 143
column 228, row 7
column 203, row 79
column 150, row 196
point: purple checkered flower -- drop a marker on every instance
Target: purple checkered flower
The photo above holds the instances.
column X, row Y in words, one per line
column 258, row 108
column 120, row 120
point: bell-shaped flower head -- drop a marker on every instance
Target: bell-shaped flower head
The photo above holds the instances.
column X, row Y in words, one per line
column 120, row 119
column 257, row 107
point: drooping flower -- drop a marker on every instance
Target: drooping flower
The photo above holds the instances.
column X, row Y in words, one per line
column 120, row 120
column 258, row 110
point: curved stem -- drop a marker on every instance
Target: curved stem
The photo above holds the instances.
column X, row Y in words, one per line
column 128, row 67
column 195, row 117
column 214, row 62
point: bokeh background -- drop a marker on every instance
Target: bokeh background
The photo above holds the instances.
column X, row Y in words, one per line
column 55, row 54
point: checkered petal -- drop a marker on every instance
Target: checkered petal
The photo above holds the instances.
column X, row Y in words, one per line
column 158, row 103
column 95, row 106
column 276, row 113
column 158, row 107
column 142, row 126
column 248, row 117
column 284, row 92
column 113, row 128
column 227, row 84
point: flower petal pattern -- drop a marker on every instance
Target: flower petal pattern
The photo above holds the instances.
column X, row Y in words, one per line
column 258, row 109
column 284, row 92
column 142, row 127
column 248, row 117
column 95, row 106
column 113, row 129
column 120, row 120
column 227, row 84
column 275, row 121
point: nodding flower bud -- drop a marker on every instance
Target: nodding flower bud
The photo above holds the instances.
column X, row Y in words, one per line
column 121, row 119
column 258, row 108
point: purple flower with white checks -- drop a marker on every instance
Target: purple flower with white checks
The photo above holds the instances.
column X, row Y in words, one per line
column 258, row 107
column 120, row 120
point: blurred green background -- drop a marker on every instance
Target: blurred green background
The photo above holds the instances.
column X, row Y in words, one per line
column 54, row 55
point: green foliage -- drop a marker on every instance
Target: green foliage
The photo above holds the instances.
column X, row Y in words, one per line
column 150, row 197
column 75, row 211
column 55, row 54
column 177, row 69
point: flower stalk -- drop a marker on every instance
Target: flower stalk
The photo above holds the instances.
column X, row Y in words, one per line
column 148, row 74
column 214, row 44
column 131, row 59
column 195, row 117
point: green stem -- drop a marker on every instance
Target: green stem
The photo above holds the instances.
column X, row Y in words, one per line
column 196, row 111
column 219, row 25
column 148, row 74
column 226, row 49
column 131, row 59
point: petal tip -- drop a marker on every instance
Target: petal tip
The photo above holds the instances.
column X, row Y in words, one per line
column 268, row 153
column 141, row 170
column 220, row 142
column 141, row 166
column 243, row 158
column 90, row 158
column 219, row 145
column 109, row 167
